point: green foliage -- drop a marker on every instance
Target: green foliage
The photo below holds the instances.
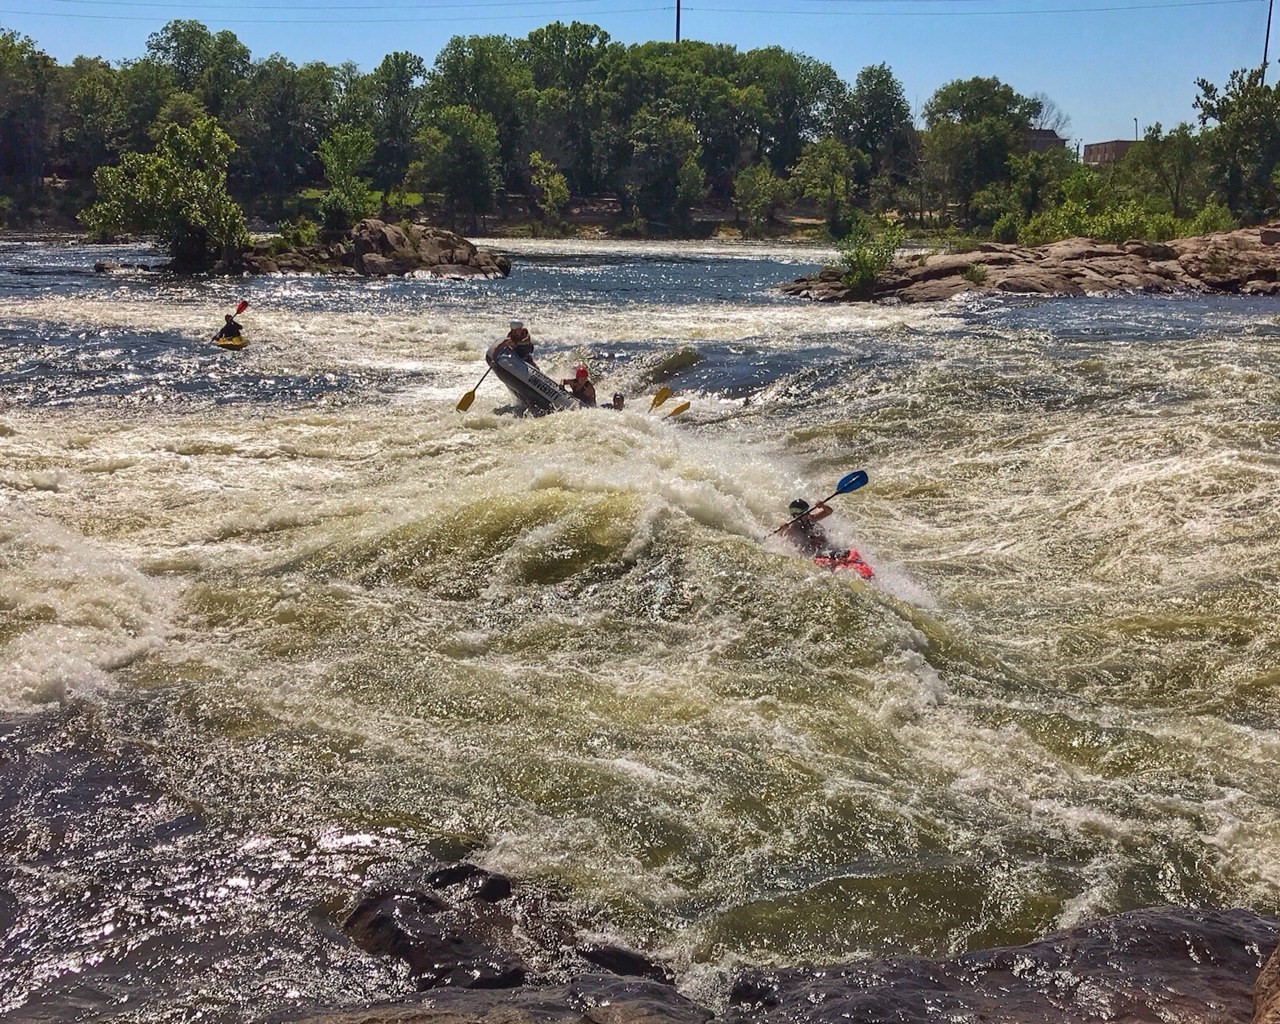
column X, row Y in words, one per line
column 459, row 157
column 349, row 199
column 665, row 171
column 1006, row 228
column 550, row 187
column 865, row 257
column 975, row 273
column 975, row 126
column 880, row 121
column 827, row 173
column 178, row 193
column 1243, row 147
column 299, row 233
column 661, row 123
column 1213, row 217
column 757, row 193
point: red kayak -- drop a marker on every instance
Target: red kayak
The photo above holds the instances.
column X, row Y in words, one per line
column 844, row 560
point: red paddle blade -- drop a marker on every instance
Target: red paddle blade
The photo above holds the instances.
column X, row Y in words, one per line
column 242, row 306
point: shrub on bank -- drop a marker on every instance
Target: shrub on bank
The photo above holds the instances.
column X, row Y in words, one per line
column 865, row 257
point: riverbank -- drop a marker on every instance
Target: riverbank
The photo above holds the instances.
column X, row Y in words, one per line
column 1244, row 262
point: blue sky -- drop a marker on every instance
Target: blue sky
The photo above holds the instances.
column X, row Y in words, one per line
column 1102, row 67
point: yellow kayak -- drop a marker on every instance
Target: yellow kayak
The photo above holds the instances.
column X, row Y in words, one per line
column 239, row 341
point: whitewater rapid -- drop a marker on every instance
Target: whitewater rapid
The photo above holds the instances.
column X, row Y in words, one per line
column 327, row 600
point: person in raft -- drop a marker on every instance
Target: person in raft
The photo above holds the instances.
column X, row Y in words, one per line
column 580, row 386
column 230, row 329
column 619, row 400
column 803, row 531
column 519, row 342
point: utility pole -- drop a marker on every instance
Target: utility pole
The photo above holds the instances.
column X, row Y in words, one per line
column 1266, row 42
column 1135, row 129
column 678, row 21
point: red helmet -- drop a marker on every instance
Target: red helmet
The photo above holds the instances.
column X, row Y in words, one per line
column 580, row 372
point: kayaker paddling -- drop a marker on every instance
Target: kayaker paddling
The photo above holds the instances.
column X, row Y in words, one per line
column 803, row 531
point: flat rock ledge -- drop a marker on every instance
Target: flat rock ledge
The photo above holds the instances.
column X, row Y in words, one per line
column 1243, row 262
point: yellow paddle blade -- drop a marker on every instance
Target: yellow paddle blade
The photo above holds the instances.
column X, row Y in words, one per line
column 661, row 396
column 677, row 410
column 464, row 403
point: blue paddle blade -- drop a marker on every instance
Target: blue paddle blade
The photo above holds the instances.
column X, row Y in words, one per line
column 852, row 482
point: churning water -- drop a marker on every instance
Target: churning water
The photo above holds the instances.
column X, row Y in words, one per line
column 350, row 624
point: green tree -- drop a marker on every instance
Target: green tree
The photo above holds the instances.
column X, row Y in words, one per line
column 827, row 173
column 804, row 100
column 665, row 171
column 395, row 91
column 975, row 125
column 144, row 87
column 93, row 127
column 210, row 67
column 178, row 193
column 181, row 108
column 26, row 114
column 349, row 199
column 865, row 257
column 1173, row 164
column 880, row 121
column 460, row 152
column 757, row 193
column 287, row 112
column 549, row 185
column 1242, row 145
column 486, row 74
column 563, row 61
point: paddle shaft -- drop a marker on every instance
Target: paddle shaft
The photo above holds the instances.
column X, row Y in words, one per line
column 802, row 515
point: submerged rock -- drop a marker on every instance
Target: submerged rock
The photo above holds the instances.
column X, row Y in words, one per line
column 1246, row 261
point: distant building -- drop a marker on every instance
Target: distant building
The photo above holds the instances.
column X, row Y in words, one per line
column 1041, row 140
column 1099, row 153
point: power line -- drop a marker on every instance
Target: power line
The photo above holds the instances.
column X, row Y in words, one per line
column 342, row 21
column 312, row 7
column 970, row 14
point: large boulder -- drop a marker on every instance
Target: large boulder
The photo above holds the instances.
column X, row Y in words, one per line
column 375, row 248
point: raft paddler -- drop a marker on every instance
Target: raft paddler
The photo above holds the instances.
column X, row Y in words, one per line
column 519, row 342
column 580, row 386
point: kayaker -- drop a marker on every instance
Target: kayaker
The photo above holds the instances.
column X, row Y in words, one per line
column 581, row 387
column 619, row 399
column 803, row 531
column 519, row 342
column 230, row 329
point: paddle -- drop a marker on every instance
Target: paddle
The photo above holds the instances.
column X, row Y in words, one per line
column 676, row 411
column 659, row 397
column 464, row 403
column 849, row 483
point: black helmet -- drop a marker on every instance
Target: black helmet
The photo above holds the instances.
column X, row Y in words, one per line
column 799, row 507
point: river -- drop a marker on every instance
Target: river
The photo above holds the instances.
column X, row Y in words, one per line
column 351, row 625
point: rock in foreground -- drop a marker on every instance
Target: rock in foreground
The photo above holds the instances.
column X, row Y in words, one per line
column 1245, row 262
column 374, row 248
column 1166, row 964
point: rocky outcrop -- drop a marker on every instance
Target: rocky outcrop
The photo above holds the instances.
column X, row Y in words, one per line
column 1141, row 967
column 1245, row 262
column 374, row 248
column 1266, row 993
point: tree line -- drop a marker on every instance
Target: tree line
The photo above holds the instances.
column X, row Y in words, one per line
column 566, row 111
